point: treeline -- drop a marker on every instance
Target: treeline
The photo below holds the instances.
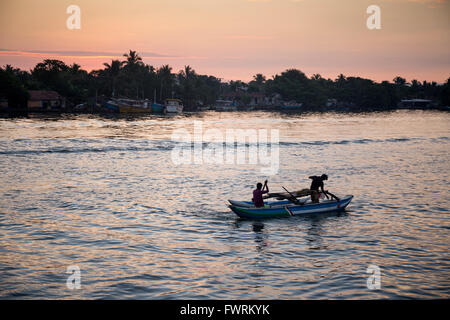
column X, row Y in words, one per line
column 132, row 78
column 353, row 92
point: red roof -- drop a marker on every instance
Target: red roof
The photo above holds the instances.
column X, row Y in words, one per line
column 37, row 95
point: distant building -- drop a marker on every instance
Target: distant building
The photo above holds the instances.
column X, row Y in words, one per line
column 244, row 98
column 274, row 100
column 42, row 100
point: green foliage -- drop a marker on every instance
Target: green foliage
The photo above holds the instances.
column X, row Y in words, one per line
column 196, row 89
column 14, row 91
column 445, row 94
column 132, row 78
column 71, row 82
column 246, row 99
column 293, row 84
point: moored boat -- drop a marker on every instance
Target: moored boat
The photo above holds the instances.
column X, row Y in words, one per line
column 225, row 105
column 286, row 208
column 133, row 106
column 158, row 108
column 291, row 106
column 173, row 106
column 110, row 106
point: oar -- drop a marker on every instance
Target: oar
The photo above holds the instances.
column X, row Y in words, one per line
column 294, row 199
column 332, row 195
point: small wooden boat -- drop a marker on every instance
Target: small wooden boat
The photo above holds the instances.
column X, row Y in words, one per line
column 246, row 209
column 127, row 106
column 132, row 106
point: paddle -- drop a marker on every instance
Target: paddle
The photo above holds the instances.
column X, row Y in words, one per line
column 281, row 196
column 332, row 195
column 293, row 199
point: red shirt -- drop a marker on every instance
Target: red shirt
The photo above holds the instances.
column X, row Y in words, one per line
column 257, row 198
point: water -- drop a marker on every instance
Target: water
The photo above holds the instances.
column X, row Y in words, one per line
column 104, row 195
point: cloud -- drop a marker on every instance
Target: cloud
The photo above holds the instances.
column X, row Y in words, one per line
column 87, row 54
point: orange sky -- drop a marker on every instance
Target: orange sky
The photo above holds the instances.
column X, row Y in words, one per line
column 235, row 39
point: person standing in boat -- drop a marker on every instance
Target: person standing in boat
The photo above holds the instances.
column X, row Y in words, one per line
column 317, row 182
column 258, row 194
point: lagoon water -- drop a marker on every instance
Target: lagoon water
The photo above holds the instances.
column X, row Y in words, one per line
column 103, row 194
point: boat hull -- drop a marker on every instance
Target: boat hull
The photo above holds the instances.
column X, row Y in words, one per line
column 110, row 107
column 174, row 109
column 123, row 108
column 158, row 108
column 286, row 210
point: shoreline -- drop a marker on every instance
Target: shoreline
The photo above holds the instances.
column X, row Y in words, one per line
column 269, row 110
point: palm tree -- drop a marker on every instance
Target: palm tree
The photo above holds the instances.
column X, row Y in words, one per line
column 74, row 68
column 188, row 72
column 133, row 59
column 112, row 72
column 133, row 70
column 166, row 80
column 187, row 82
column 341, row 79
column 259, row 78
column 399, row 81
column 235, row 85
column 257, row 84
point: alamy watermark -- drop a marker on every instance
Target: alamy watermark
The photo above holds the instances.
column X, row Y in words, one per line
column 74, row 280
column 234, row 146
column 374, row 20
column 74, row 20
column 374, row 280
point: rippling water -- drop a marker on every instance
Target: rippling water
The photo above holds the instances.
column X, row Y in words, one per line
column 104, row 195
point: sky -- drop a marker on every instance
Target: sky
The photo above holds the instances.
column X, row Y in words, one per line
column 236, row 39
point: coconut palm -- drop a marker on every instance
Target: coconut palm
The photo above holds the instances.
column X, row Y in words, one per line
column 133, row 59
column 166, row 81
column 112, row 72
column 399, row 81
column 259, row 79
column 187, row 79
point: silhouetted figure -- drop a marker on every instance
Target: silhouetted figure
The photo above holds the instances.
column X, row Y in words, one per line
column 317, row 182
column 258, row 193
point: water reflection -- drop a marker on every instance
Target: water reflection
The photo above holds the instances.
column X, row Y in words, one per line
column 314, row 234
column 260, row 236
column 103, row 194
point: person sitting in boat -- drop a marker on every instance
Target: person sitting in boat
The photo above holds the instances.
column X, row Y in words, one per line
column 258, row 193
column 317, row 182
